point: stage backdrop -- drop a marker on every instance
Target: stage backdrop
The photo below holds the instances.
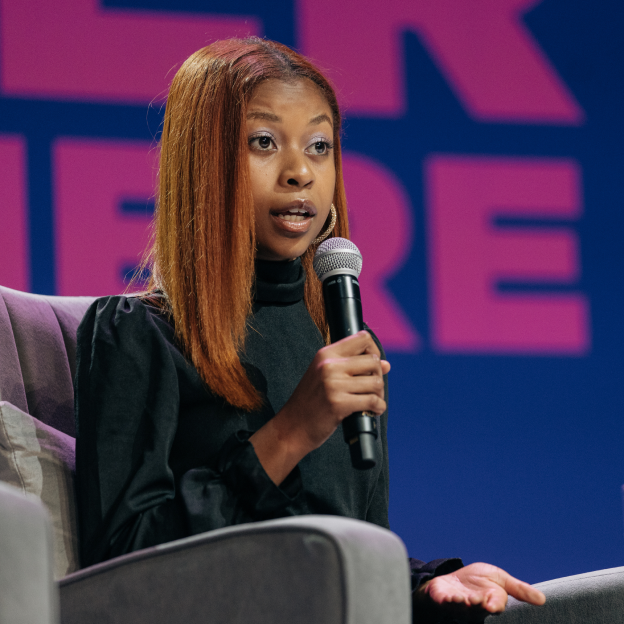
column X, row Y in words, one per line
column 484, row 168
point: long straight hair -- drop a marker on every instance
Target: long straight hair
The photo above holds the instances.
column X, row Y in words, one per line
column 204, row 239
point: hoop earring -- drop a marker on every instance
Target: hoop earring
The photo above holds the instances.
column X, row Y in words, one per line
column 321, row 237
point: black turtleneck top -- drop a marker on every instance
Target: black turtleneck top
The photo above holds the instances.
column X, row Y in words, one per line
column 160, row 457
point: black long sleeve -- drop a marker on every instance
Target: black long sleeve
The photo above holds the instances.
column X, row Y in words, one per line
column 160, row 457
column 125, row 391
column 128, row 397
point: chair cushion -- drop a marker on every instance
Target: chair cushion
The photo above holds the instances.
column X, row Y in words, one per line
column 40, row 460
column 38, row 338
column 11, row 379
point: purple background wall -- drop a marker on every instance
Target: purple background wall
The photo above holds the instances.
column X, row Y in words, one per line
column 483, row 144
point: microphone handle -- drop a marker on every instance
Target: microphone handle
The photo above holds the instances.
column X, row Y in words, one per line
column 343, row 308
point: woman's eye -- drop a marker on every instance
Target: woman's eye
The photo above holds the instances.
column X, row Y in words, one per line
column 261, row 142
column 320, row 148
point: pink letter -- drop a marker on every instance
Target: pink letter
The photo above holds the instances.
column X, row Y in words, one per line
column 14, row 261
column 497, row 70
column 74, row 49
column 381, row 225
column 96, row 241
column 469, row 256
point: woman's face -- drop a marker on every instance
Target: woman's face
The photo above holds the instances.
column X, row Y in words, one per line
column 291, row 162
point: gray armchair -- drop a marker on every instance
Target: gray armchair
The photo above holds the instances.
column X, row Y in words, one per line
column 299, row 570
column 581, row 599
column 309, row 569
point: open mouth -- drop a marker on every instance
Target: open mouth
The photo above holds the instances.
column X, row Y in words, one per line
column 294, row 215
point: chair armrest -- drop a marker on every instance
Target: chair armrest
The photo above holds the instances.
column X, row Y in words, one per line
column 581, row 599
column 28, row 592
column 300, row 570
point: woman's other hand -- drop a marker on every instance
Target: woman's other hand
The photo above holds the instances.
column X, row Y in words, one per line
column 343, row 378
column 472, row 592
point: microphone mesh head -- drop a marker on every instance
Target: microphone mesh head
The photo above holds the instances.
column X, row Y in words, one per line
column 337, row 253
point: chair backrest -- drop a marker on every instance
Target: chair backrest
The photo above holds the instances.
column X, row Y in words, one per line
column 37, row 430
column 38, row 354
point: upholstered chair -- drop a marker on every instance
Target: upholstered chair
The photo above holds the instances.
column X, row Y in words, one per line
column 304, row 570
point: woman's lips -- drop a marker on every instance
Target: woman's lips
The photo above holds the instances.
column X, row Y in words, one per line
column 299, row 226
column 295, row 217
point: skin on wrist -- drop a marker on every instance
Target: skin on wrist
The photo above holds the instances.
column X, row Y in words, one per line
column 279, row 447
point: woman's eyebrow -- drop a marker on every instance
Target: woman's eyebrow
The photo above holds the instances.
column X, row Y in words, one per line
column 315, row 121
column 265, row 116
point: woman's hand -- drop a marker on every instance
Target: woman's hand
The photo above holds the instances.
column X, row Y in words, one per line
column 343, row 378
column 471, row 592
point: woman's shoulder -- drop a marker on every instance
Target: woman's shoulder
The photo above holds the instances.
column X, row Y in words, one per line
column 126, row 316
column 129, row 307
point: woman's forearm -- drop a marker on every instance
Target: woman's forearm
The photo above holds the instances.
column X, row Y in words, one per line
column 279, row 446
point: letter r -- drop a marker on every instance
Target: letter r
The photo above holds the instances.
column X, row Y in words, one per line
column 489, row 58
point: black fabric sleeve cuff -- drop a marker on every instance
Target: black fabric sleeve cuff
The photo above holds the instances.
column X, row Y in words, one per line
column 245, row 476
column 422, row 572
column 237, row 490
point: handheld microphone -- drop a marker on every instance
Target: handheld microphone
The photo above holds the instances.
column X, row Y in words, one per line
column 338, row 263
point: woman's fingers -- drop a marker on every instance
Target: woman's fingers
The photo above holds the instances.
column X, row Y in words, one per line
column 358, row 375
column 370, row 403
column 366, row 403
column 469, row 593
column 358, row 344
column 354, row 365
column 365, row 384
column 521, row 590
column 495, row 600
column 344, row 377
column 354, row 355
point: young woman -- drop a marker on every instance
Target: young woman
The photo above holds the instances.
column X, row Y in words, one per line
column 215, row 399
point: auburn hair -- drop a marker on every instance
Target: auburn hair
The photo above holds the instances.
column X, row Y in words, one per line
column 204, row 244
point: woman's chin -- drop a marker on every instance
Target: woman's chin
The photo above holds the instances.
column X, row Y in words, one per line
column 283, row 251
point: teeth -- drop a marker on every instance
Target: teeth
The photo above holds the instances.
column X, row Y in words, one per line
column 292, row 217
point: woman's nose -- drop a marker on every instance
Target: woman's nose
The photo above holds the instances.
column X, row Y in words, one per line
column 296, row 172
